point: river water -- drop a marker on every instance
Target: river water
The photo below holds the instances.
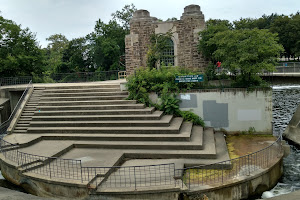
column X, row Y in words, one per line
column 285, row 102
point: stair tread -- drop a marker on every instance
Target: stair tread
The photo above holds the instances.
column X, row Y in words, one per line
column 164, row 119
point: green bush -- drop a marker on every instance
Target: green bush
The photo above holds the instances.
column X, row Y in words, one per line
column 162, row 82
column 192, row 117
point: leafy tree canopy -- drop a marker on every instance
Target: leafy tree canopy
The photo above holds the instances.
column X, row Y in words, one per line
column 248, row 52
column 19, row 53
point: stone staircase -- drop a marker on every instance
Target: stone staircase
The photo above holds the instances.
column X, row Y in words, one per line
column 97, row 124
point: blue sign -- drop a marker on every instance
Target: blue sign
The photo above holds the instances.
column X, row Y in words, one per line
column 189, row 79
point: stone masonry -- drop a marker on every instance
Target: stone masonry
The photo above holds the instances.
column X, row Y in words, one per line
column 185, row 38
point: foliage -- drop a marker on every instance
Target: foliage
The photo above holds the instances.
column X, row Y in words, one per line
column 192, row 117
column 158, row 44
column 169, row 102
column 288, row 29
column 162, row 82
column 124, row 16
column 19, row 53
column 245, row 52
column 212, row 28
column 54, row 52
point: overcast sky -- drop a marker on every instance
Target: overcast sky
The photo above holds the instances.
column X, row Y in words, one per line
column 76, row 18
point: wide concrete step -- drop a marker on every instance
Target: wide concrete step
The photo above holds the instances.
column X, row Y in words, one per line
column 183, row 135
column 63, row 103
column 208, row 151
column 83, row 86
column 172, row 129
column 90, row 112
column 194, row 144
column 155, row 116
column 78, row 98
column 164, row 122
column 75, row 90
column 81, row 94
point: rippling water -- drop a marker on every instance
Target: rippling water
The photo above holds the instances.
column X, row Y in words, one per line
column 285, row 102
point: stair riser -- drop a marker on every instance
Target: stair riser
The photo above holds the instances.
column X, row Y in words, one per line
column 116, row 138
column 87, row 118
column 86, row 131
column 83, row 98
column 80, row 103
column 75, row 87
column 96, row 94
column 135, row 106
column 89, row 113
column 79, row 90
column 144, row 147
column 169, row 156
column 101, row 125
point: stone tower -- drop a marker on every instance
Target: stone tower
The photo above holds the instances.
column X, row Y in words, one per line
column 185, row 38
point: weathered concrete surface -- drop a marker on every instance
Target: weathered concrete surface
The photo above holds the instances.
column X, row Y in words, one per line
column 7, row 194
column 292, row 132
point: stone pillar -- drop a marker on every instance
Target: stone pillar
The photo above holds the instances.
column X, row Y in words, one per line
column 137, row 42
column 190, row 24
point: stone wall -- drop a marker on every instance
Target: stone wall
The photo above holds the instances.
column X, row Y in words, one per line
column 185, row 38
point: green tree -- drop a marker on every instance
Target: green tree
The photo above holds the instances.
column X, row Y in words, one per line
column 54, row 51
column 75, row 57
column 247, row 51
column 19, row 53
column 124, row 16
column 212, row 28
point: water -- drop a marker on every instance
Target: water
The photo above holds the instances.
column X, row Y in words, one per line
column 285, row 102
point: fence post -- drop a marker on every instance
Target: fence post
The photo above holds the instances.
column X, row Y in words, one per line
column 248, row 165
column 81, row 171
column 50, row 167
column 134, row 178
column 222, row 175
column 18, row 157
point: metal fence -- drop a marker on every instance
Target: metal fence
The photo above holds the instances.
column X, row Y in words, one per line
column 135, row 177
column 5, row 125
column 219, row 174
column 64, row 77
column 15, row 80
column 289, row 67
column 81, row 77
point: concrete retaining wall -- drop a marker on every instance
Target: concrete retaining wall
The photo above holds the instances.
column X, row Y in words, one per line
column 234, row 110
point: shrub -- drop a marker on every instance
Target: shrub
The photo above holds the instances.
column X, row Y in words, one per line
column 192, row 117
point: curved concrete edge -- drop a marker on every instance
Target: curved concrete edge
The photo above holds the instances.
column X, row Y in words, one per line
column 43, row 187
column 243, row 188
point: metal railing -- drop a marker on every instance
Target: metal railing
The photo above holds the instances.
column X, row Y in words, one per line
column 219, row 174
column 82, row 76
column 15, row 80
column 5, row 125
column 134, row 177
column 65, row 77
column 289, row 67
